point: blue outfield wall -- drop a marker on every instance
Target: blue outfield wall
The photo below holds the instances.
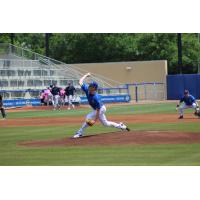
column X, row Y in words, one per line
column 176, row 84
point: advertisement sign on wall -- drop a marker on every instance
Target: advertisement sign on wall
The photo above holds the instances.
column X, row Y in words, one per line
column 82, row 100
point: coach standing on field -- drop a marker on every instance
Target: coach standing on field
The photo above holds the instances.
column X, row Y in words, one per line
column 69, row 92
column 55, row 92
column 2, row 108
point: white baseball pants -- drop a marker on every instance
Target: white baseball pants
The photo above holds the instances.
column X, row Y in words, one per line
column 184, row 106
column 56, row 100
column 49, row 99
column 102, row 119
column 69, row 100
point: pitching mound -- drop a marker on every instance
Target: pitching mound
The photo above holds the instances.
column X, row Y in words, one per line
column 120, row 138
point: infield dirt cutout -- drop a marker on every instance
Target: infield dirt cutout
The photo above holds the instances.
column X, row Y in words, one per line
column 119, row 138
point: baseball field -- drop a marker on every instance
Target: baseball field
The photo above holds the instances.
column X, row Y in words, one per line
column 40, row 136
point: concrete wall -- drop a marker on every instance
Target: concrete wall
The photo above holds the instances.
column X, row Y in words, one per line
column 130, row 72
column 133, row 72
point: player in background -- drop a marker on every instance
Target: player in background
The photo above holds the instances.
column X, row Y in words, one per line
column 55, row 92
column 42, row 98
column 62, row 97
column 48, row 96
column 69, row 92
column 98, row 107
column 3, row 112
column 187, row 101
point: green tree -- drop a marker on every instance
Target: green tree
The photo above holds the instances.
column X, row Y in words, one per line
column 112, row 47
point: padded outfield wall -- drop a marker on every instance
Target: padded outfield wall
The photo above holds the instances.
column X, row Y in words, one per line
column 176, row 84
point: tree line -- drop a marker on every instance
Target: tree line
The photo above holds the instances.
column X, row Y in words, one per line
column 113, row 47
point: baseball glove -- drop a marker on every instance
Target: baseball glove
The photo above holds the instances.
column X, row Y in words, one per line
column 90, row 122
column 197, row 112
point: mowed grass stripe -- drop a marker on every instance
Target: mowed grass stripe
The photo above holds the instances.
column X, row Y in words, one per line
column 111, row 156
column 114, row 110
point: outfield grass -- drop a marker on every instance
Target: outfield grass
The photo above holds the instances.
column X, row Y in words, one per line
column 114, row 110
column 11, row 154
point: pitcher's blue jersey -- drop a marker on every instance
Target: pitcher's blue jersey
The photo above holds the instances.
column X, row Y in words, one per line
column 188, row 100
column 94, row 100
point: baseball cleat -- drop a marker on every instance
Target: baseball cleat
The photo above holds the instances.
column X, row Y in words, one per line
column 77, row 135
column 181, row 117
column 124, row 127
column 196, row 113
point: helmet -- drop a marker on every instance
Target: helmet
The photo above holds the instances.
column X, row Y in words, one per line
column 94, row 85
column 186, row 92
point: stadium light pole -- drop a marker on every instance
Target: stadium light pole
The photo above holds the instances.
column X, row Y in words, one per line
column 198, row 55
column 179, row 39
column 12, row 36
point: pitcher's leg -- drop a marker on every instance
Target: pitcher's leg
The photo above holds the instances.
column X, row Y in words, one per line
column 105, row 122
column 81, row 131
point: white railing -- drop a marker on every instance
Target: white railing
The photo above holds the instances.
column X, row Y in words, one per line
column 67, row 70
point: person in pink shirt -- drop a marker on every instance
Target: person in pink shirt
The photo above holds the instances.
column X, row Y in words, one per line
column 48, row 96
column 42, row 97
column 62, row 97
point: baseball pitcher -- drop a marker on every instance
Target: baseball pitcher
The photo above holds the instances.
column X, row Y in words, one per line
column 98, row 107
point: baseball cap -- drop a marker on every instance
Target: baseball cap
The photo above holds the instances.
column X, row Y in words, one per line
column 186, row 92
column 94, row 85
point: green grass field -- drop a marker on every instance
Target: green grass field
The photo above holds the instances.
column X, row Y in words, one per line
column 13, row 155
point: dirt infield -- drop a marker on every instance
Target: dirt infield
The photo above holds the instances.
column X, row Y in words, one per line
column 53, row 121
column 120, row 138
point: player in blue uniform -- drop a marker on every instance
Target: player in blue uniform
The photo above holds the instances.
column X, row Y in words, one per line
column 99, row 108
column 187, row 101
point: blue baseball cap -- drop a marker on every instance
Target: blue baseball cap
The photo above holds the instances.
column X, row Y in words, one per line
column 186, row 92
column 94, row 85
